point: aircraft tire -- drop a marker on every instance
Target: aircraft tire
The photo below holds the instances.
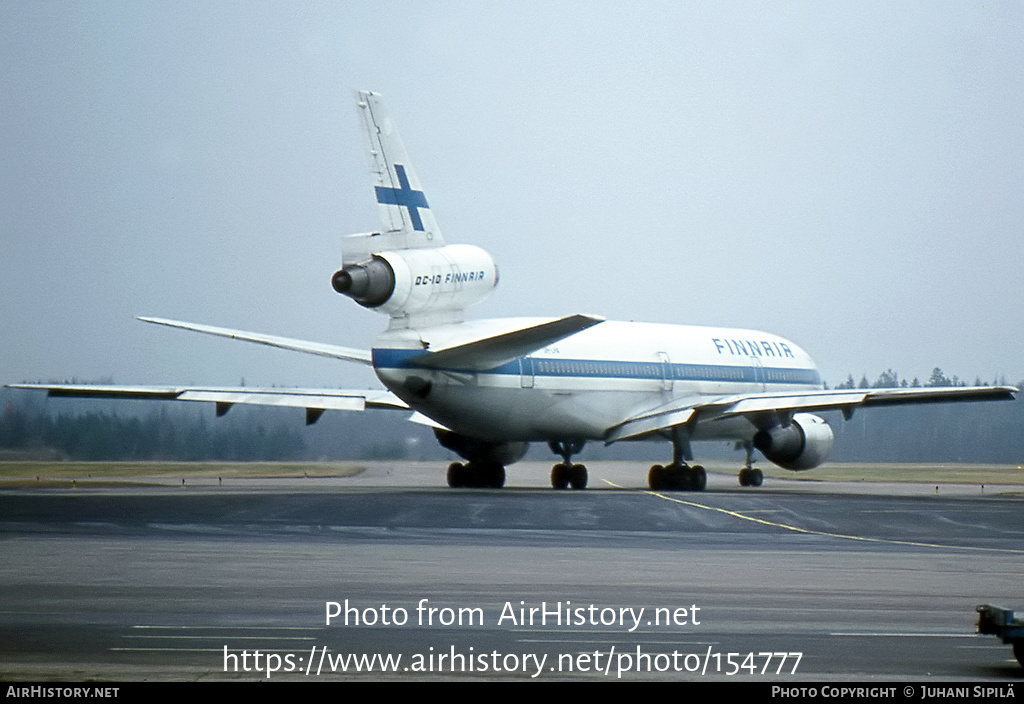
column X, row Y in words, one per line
column 560, row 476
column 656, row 478
column 751, row 477
column 578, row 476
column 698, row 478
column 677, row 478
column 483, row 475
column 684, row 479
column 495, row 475
column 456, row 475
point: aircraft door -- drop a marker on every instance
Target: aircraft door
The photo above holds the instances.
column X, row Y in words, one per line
column 526, row 372
column 667, row 380
column 759, row 374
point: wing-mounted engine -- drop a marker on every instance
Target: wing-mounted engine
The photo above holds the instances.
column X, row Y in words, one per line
column 803, row 444
column 426, row 280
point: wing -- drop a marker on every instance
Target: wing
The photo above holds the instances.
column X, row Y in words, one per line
column 351, row 354
column 690, row 409
column 315, row 401
column 848, row 400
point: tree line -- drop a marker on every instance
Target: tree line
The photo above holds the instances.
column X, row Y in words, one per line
column 986, row 432
column 889, row 379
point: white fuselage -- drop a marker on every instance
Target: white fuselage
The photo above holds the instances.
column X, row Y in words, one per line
column 584, row 384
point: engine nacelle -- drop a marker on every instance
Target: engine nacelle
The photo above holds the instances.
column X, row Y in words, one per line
column 803, row 444
column 473, row 450
column 400, row 282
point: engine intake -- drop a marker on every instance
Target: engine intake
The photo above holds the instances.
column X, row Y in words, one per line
column 803, row 444
column 370, row 284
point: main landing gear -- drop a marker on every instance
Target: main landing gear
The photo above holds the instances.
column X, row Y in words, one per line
column 565, row 474
column 678, row 476
column 476, row 475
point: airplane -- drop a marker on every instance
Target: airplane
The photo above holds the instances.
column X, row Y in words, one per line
column 488, row 388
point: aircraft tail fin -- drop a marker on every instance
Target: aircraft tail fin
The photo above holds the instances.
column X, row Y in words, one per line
column 408, row 222
column 406, row 270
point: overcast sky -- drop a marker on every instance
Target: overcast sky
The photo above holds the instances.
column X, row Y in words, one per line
column 848, row 175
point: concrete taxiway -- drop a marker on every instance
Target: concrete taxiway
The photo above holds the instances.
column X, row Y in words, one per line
column 793, row 581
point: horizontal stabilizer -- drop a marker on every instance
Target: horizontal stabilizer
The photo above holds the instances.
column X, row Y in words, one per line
column 490, row 352
column 351, row 354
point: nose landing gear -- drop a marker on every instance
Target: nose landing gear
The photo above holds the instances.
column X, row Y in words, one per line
column 748, row 475
column 565, row 474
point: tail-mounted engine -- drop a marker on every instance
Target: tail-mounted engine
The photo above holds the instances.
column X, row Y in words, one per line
column 803, row 444
column 401, row 282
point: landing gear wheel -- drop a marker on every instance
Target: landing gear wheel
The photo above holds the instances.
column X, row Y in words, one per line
column 677, row 478
column 578, row 476
column 492, row 476
column 656, row 478
column 456, row 475
column 688, row 478
column 488, row 475
column 565, row 473
column 698, row 478
column 560, row 476
column 751, row 477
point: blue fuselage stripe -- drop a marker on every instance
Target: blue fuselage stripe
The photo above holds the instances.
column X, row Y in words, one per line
column 618, row 369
